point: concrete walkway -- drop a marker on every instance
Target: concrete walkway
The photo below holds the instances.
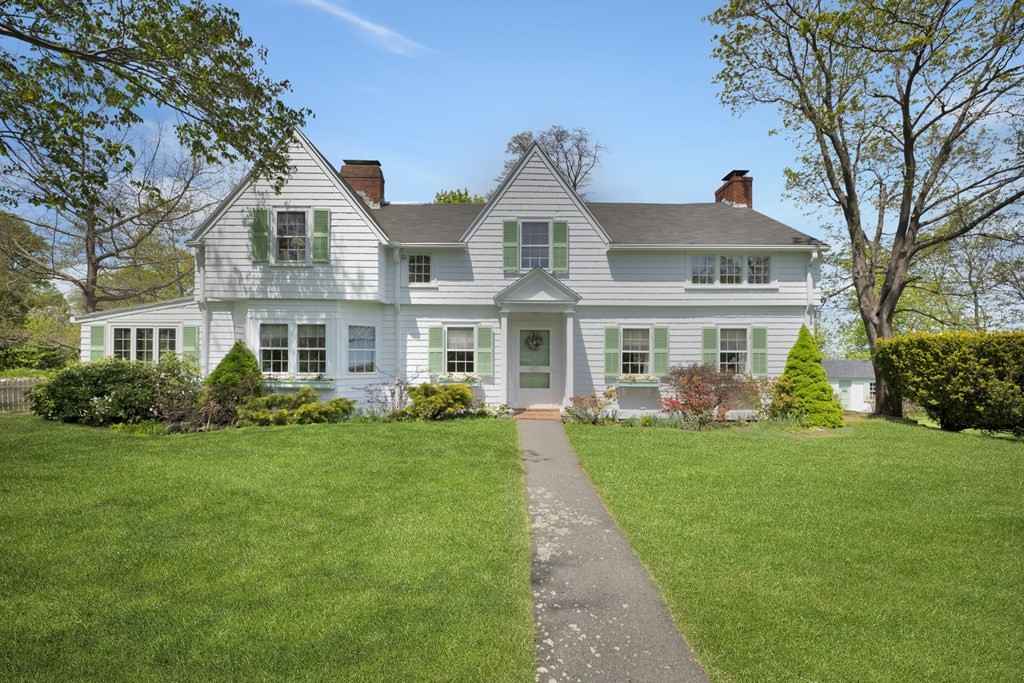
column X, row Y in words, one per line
column 598, row 615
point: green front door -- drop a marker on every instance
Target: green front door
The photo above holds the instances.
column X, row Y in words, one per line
column 535, row 359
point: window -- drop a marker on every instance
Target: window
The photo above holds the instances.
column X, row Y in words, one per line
column 732, row 356
column 144, row 344
column 291, row 236
column 759, row 270
column 703, row 270
column 871, row 391
column 167, row 342
column 419, row 269
column 535, row 245
column 460, row 351
column 362, row 348
column 123, row 343
column 312, row 349
column 274, row 348
column 730, row 270
column 636, row 351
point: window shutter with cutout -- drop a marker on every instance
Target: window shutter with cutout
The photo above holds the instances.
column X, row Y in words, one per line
column 560, row 246
column 97, row 348
column 260, row 235
column 759, row 351
column 510, row 245
column 709, row 346
column 321, row 235
column 612, row 354
column 660, row 351
column 190, row 342
column 435, row 350
column 485, row 351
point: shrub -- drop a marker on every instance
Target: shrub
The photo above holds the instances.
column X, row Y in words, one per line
column 592, row 409
column 302, row 407
column 439, row 402
column 235, row 378
column 702, row 394
column 962, row 380
column 803, row 388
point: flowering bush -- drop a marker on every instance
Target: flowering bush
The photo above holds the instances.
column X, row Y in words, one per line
column 702, row 394
column 591, row 409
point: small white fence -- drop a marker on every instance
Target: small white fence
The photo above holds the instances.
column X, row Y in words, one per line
column 14, row 393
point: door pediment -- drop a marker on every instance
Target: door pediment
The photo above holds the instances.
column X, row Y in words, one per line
column 537, row 288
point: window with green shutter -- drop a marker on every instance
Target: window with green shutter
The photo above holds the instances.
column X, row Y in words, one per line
column 759, row 351
column 560, row 246
column 510, row 245
column 484, row 351
column 709, row 346
column 190, row 342
column 97, row 347
column 321, row 235
column 612, row 356
column 260, row 235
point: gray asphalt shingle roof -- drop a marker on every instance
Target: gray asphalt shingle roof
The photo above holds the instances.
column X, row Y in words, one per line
column 670, row 224
column 848, row 369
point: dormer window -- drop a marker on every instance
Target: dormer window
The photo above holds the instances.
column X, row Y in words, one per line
column 291, row 237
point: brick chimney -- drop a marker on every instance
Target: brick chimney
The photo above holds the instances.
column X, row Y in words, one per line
column 366, row 178
column 738, row 190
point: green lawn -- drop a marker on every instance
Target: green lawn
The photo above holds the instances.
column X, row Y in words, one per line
column 363, row 552
column 880, row 552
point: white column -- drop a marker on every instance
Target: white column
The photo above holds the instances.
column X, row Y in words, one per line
column 569, row 344
column 502, row 365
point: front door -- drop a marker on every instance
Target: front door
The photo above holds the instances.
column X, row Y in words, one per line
column 533, row 375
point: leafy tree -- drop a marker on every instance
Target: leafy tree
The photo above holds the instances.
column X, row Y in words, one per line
column 458, row 197
column 77, row 75
column 907, row 118
column 574, row 152
column 805, row 382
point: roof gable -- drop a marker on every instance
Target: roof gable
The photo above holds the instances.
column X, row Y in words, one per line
column 298, row 138
column 533, row 153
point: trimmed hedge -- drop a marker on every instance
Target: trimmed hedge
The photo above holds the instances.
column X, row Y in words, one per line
column 963, row 380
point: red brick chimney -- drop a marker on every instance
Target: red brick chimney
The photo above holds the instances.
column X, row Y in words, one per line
column 738, row 190
column 366, row 178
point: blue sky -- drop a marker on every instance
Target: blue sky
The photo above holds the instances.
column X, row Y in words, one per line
column 434, row 90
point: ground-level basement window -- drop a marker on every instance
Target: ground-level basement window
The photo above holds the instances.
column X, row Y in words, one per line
column 460, row 351
column 733, row 347
column 138, row 343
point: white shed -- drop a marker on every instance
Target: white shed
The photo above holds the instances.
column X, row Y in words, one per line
column 853, row 382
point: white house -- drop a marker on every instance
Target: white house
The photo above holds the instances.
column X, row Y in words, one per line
column 536, row 295
column 853, row 382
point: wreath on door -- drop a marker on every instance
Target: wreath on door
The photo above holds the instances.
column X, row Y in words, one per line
column 534, row 341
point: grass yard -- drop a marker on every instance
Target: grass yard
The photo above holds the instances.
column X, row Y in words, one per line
column 361, row 552
column 880, row 552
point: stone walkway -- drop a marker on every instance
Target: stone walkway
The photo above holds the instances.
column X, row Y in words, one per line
column 598, row 615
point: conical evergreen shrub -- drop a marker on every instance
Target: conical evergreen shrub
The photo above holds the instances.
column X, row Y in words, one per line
column 235, row 378
column 808, row 386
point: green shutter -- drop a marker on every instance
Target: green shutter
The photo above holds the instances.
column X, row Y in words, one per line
column 560, row 246
column 97, row 348
column 484, row 351
column 190, row 342
column 709, row 346
column 321, row 235
column 510, row 244
column 660, row 351
column 435, row 350
column 759, row 348
column 260, row 235
column 612, row 354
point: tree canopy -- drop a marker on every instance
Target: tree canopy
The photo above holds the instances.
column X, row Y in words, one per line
column 907, row 118
column 574, row 151
column 77, row 74
column 458, row 196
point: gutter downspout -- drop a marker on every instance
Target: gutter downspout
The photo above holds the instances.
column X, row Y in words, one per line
column 204, row 353
column 809, row 312
column 399, row 353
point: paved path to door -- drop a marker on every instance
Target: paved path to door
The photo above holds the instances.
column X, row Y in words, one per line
column 598, row 615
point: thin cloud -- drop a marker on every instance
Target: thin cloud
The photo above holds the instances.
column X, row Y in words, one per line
column 389, row 40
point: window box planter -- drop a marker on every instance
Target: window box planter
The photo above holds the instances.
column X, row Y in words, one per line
column 299, row 383
column 470, row 380
column 646, row 382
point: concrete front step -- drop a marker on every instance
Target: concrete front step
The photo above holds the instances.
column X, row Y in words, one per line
column 539, row 414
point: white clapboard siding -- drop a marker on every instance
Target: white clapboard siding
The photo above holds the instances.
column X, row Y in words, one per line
column 173, row 314
column 355, row 270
